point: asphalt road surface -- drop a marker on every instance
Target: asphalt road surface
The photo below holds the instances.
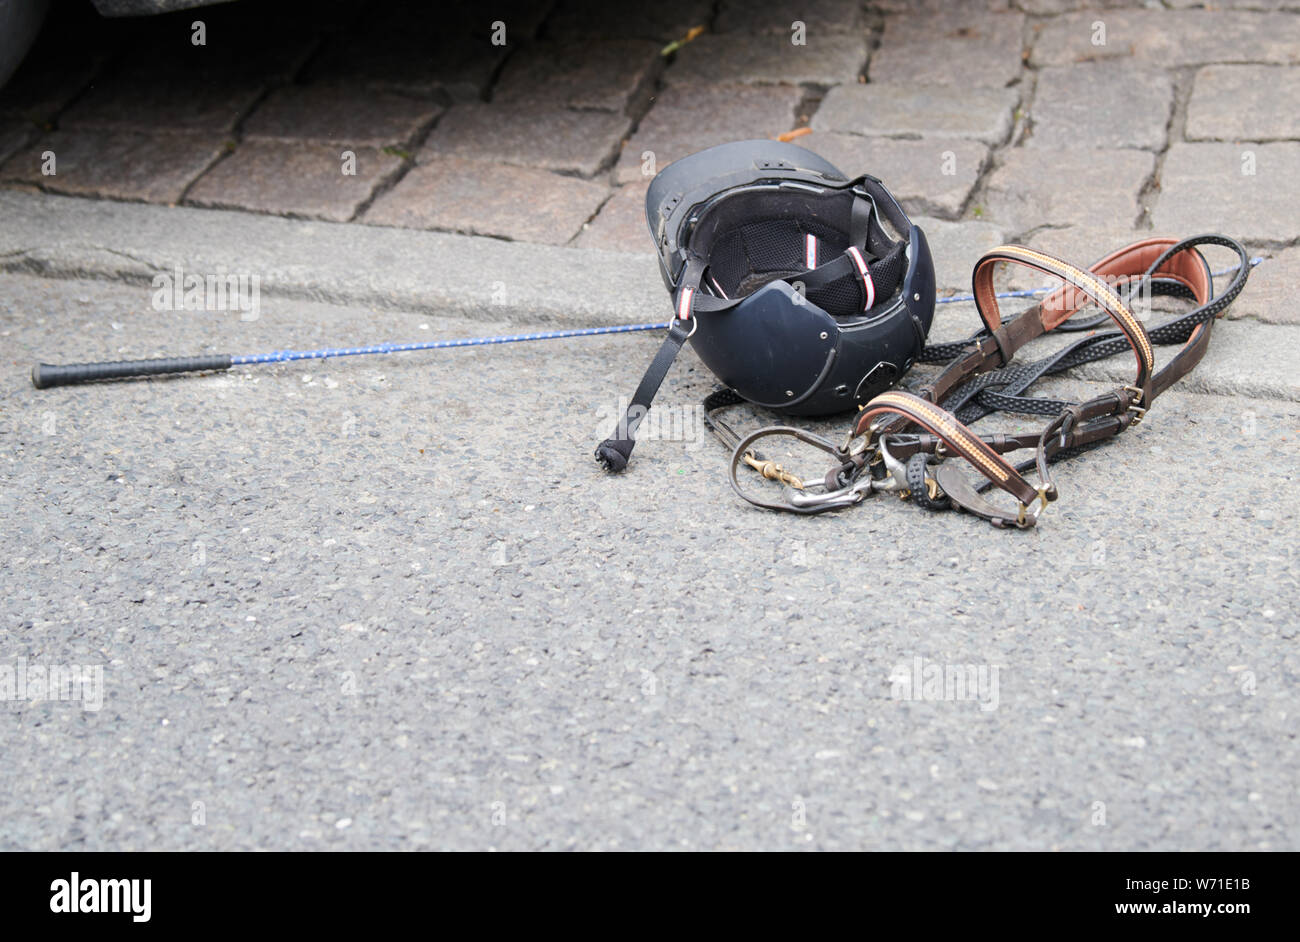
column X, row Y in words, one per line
column 392, row 603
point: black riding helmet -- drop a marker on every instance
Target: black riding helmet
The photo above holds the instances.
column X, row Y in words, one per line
column 786, row 279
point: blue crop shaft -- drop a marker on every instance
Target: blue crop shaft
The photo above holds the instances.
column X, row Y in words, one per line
column 326, row 353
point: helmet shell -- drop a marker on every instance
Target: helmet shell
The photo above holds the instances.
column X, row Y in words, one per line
column 797, row 352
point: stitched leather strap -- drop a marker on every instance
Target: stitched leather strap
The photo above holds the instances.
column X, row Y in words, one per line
column 959, row 439
column 1061, row 304
column 1176, row 262
column 916, row 425
column 1099, row 418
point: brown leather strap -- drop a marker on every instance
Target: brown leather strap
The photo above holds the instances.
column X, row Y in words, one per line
column 960, row 439
column 1101, row 417
column 1124, row 264
column 1188, row 269
column 931, row 429
column 1005, row 339
column 1060, row 305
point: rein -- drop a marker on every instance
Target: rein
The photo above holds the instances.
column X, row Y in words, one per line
column 901, row 441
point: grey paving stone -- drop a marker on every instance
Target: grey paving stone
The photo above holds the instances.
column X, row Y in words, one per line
column 294, row 179
column 778, row 16
column 46, row 83
column 663, row 20
column 117, row 165
column 329, row 16
column 234, row 48
column 961, row 47
column 930, row 177
column 1210, row 187
column 932, row 7
column 1101, row 105
column 687, row 119
column 433, row 48
column 339, row 114
column 1048, row 7
column 462, row 73
column 1235, row 4
column 1270, row 294
column 956, row 246
column 387, row 269
column 1169, row 39
column 897, row 110
column 608, row 75
column 549, row 138
column 1078, row 245
column 1035, row 187
column 1244, row 103
column 149, row 104
column 621, row 224
column 484, row 199
column 1084, row 245
column 375, row 266
column 13, row 135
column 1244, row 359
column 770, row 58
column 432, row 23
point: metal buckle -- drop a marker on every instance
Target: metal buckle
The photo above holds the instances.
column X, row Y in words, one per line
column 1025, row 517
column 1139, row 413
column 862, row 486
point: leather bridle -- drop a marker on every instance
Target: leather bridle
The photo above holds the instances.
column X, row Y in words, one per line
column 900, row 440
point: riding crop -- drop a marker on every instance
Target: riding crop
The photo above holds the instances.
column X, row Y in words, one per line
column 46, row 375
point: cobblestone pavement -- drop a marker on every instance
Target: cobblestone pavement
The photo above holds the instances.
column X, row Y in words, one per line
column 1047, row 121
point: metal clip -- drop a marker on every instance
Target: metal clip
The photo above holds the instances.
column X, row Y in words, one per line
column 772, row 471
column 795, row 493
column 833, row 500
column 1027, row 518
column 895, row 481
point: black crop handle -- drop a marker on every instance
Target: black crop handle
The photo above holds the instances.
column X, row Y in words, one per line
column 45, row 375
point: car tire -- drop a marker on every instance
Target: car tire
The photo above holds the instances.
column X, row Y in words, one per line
column 20, row 21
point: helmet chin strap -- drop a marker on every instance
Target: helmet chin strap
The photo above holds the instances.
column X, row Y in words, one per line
column 613, row 453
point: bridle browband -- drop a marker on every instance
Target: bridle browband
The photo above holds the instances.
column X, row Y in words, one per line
column 900, row 439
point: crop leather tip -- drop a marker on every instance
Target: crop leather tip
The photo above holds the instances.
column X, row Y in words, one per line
column 610, row 458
